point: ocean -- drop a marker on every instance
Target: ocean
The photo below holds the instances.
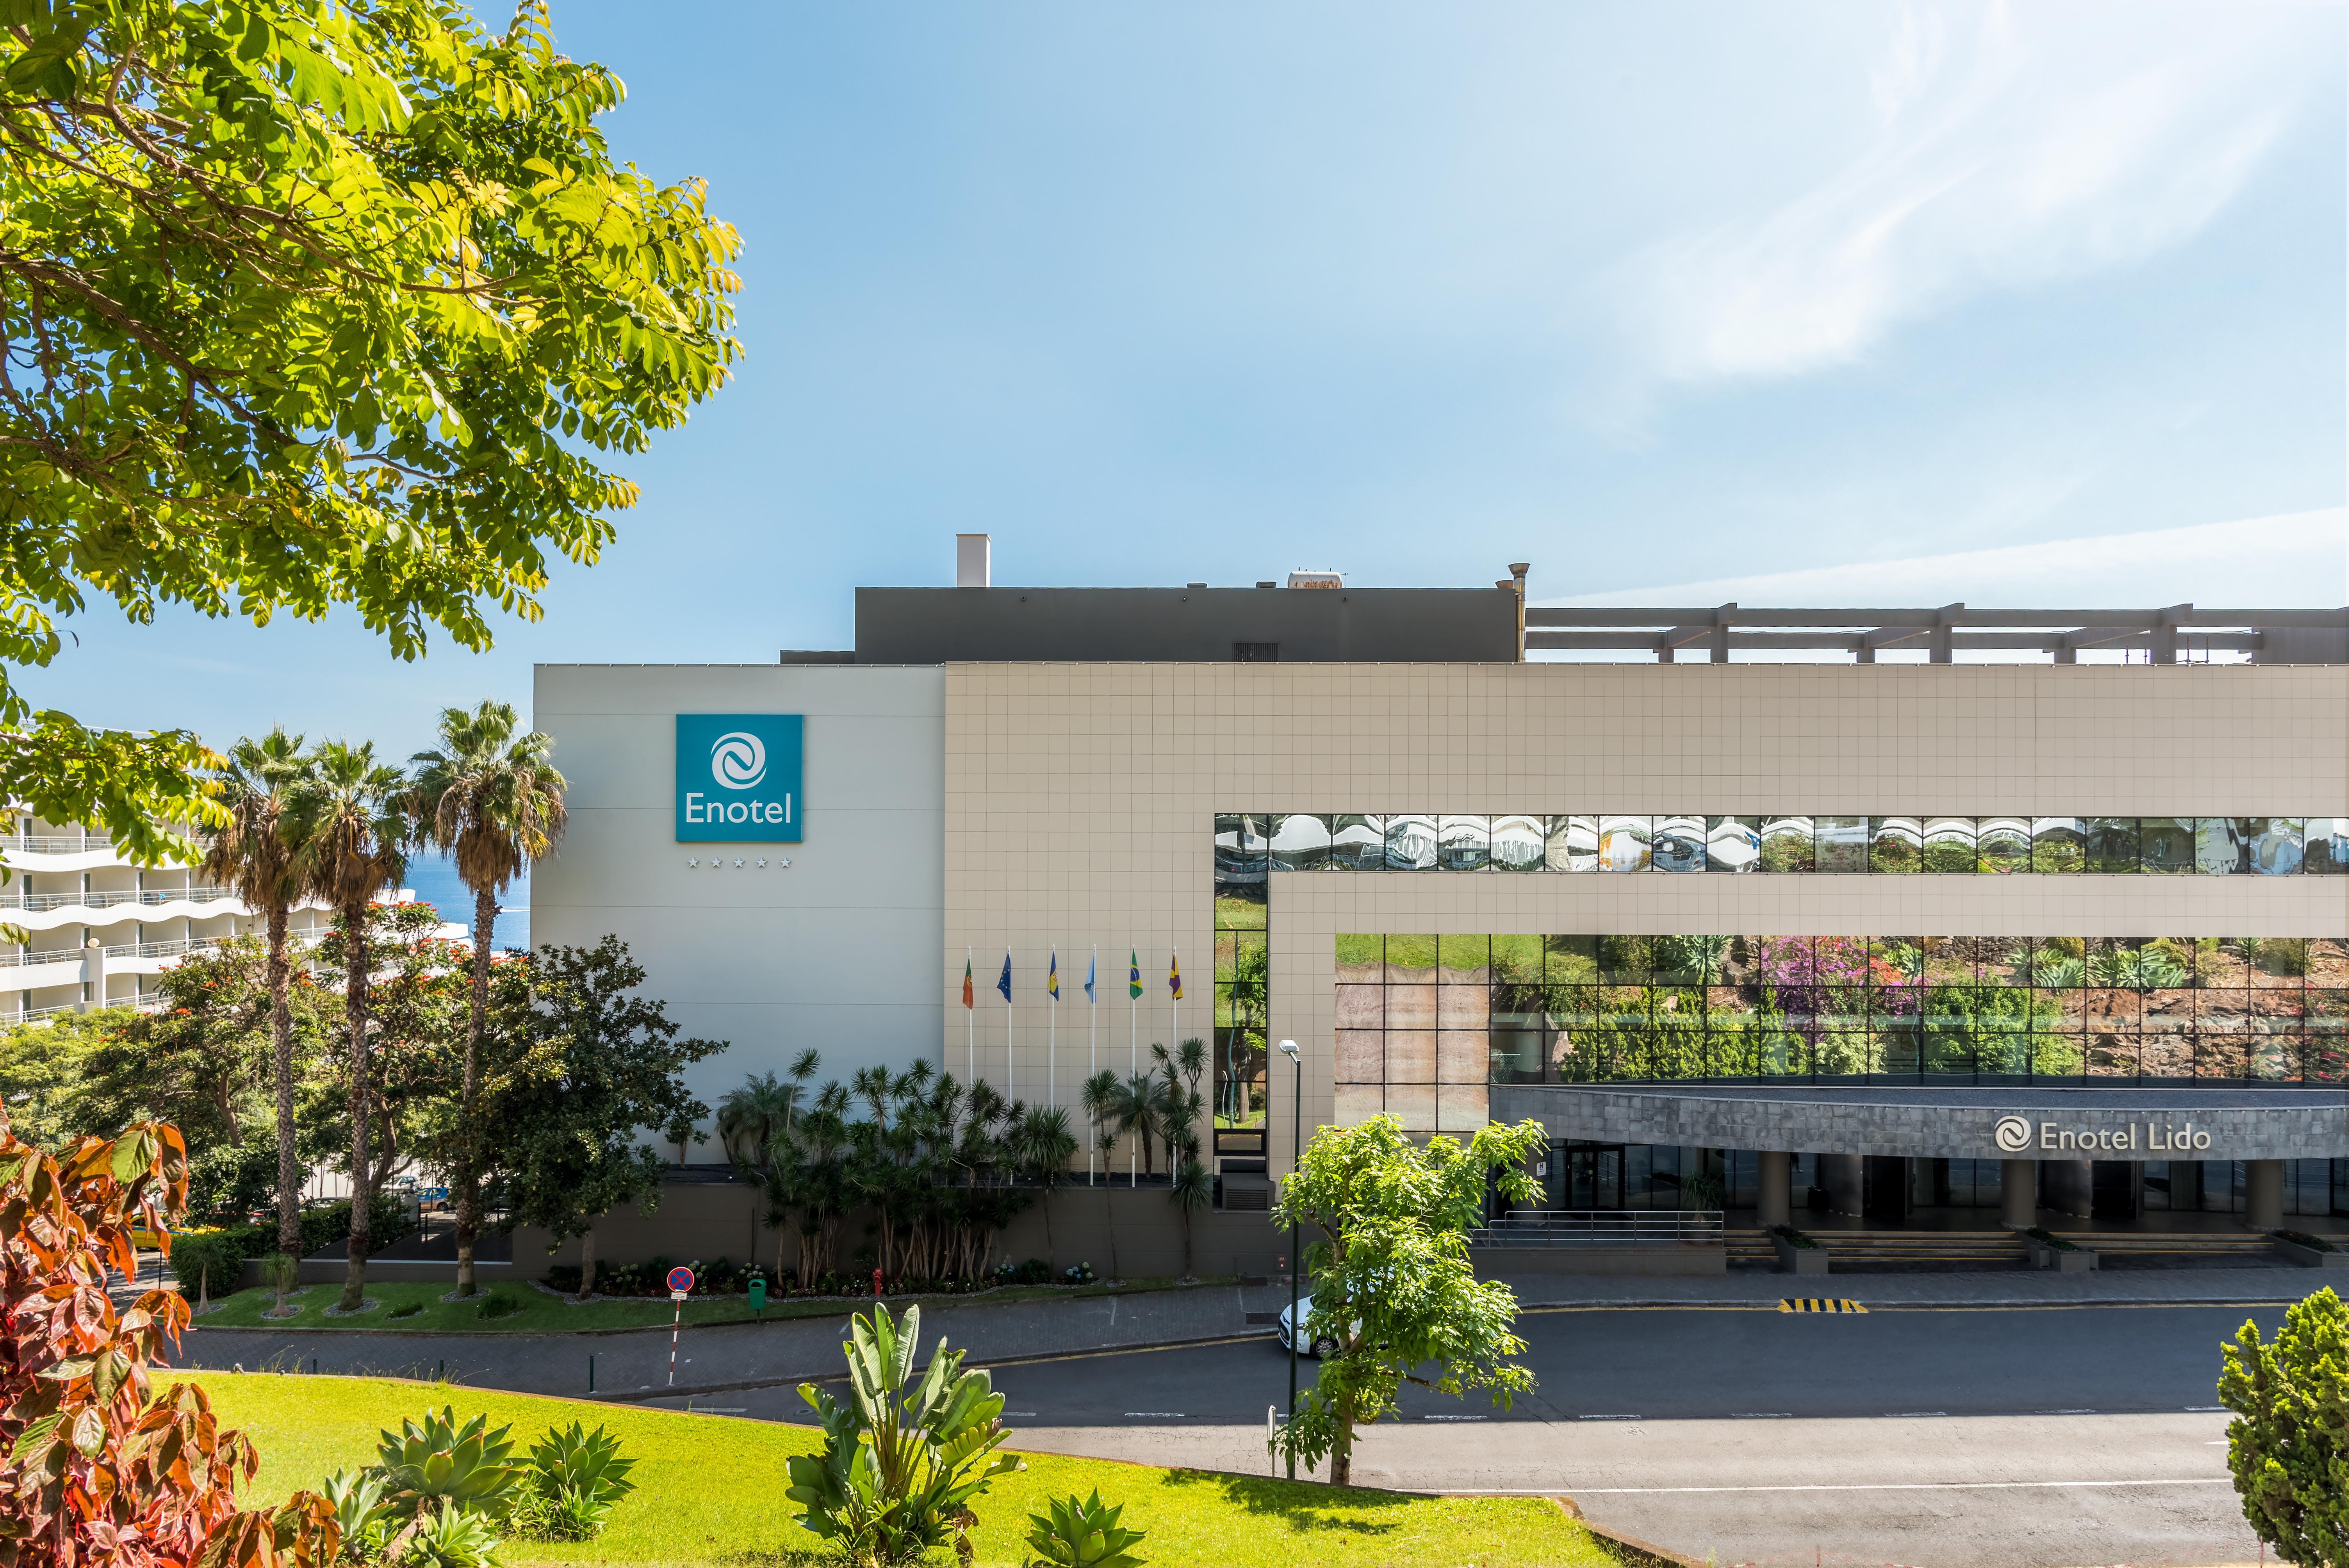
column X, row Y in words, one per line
column 434, row 878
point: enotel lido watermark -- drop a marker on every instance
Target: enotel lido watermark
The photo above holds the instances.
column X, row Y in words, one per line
column 2014, row 1135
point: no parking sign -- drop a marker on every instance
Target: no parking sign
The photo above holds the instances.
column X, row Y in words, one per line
column 680, row 1280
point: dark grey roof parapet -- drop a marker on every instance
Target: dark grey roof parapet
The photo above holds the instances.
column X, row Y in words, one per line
column 2270, row 637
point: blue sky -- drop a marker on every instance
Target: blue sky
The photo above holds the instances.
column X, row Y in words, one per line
column 1785, row 304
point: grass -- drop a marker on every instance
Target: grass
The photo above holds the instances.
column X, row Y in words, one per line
column 543, row 1313
column 710, row 1490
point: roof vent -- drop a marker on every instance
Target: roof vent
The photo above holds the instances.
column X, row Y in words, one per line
column 973, row 560
column 1303, row 579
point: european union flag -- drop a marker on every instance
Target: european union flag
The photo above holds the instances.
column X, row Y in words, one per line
column 1004, row 985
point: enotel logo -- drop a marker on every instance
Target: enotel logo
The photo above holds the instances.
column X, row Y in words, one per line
column 739, row 761
column 737, row 778
column 2014, row 1134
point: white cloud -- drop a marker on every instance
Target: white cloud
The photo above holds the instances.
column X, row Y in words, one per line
column 2010, row 148
column 2298, row 558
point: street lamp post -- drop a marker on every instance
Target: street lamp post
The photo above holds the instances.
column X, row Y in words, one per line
column 1295, row 1259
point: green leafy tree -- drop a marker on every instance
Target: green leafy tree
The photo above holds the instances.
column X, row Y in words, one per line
column 353, row 850
column 257, row 851
column 585, row 1068
column 197, row 1061
column 306, row 306
column 2288, row 1445
column 41, row 1073
column 494, row 803
column 1394, row 1297
column 902, row 1461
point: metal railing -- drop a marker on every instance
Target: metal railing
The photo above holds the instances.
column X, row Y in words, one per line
column 41, row 903
column 55, row 843
column 1601, row 1227
column 2163, row 635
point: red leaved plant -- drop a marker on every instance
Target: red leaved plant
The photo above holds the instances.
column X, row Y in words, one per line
column 100, row 1471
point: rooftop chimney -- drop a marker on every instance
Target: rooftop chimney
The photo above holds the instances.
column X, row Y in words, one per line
column 1304, row 577
column 972, row 560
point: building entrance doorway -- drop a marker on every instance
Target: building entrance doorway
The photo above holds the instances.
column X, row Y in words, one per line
column 2113, row 1189
column 1594, row 1178
column 1885, row 1191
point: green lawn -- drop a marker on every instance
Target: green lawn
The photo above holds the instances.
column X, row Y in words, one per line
column 543, row 1313
column 710, row 1490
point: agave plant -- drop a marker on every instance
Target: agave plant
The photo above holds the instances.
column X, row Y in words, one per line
column 449, row 1537
column 898, row 1467
column 575, row 1479
column 439, row 1462
column 1081, row 1533
column 361, row 1512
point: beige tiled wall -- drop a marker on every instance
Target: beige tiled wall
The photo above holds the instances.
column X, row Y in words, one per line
column 1078, row 801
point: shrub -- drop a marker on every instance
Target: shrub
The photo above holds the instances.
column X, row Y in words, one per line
column 1081, row 1533
column 451, row 1537
column 900, row 1464
column 215, row 1256
column 405, row 1309
column 365, row 1518
column 1035, row 1271
column 2050, row 1240
column 2286, row 1445
column 1079, row 1273
column 498, row 1303
column 2284, row 956
column 1793, row 1237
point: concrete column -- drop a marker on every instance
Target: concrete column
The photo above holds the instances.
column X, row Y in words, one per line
column 2263, row 1193
column 2018, row 1193
column 1840, row 1174
column 93, row 975
column 2071, row 1187
column 1775, row 1196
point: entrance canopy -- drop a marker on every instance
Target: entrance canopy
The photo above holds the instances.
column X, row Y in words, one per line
column 2035, row 1123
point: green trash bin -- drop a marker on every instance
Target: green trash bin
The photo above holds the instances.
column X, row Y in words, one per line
column 758, row 1293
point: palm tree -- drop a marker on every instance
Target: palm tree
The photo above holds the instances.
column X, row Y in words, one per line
column 1138, row 1106
column 1042, row 1144
column 1191, row 1188
column 1100, row 1101
column 258, row 853
column 353, row 849
column 494, row 805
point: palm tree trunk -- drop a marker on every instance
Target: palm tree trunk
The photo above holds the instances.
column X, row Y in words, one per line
column 355, row 1019
column 468, row 1171
column 281, row 1042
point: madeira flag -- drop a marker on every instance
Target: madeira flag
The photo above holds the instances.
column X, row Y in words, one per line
column 1052, row 976
column 966, row 980
column 1175, row 976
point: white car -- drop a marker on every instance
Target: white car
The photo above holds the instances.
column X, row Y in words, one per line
column 1316, row 1344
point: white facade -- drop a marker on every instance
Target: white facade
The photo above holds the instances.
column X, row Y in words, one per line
column 832, row 943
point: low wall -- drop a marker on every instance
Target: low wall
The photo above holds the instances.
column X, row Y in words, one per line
column 1134, row 1233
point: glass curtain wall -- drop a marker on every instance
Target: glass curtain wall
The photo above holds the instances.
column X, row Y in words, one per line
column 1247, row 846
column 1411, row 1011
column 1736, row 845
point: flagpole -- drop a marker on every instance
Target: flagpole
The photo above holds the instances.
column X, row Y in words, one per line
column 970, row 1028
column 1052, row 1036
column 1092, row 1051
column 1010, row 1058
column 1133, row 1066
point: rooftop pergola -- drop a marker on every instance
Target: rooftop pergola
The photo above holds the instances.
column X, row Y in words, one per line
column 2287, row 636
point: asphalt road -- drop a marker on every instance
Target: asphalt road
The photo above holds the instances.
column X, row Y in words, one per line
column 1945, row 1439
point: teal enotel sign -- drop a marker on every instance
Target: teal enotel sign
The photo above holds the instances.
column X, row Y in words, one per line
column 737, row 778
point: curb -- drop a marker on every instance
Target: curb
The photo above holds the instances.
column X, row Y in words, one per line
column 1971, row 1303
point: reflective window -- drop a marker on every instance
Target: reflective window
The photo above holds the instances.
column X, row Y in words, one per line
column 1242, row 852
column 2058, row 844
column 2328, row 845
column 1411, row 844
column 1895, row 844
column 2110, row 843
column 1517, row 843
column 1950, row 844
column 2222, row 846
column 1679, row 844
column 1300, row 842
column 1735, row 843
column 1571, row 843
column 1357, row 843
column 1463, row 843
column 1623, row 843
column 2275, row 845
column 2166, row 845
column 1786, row 844
column 2002, row 844
column 1840, row 844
